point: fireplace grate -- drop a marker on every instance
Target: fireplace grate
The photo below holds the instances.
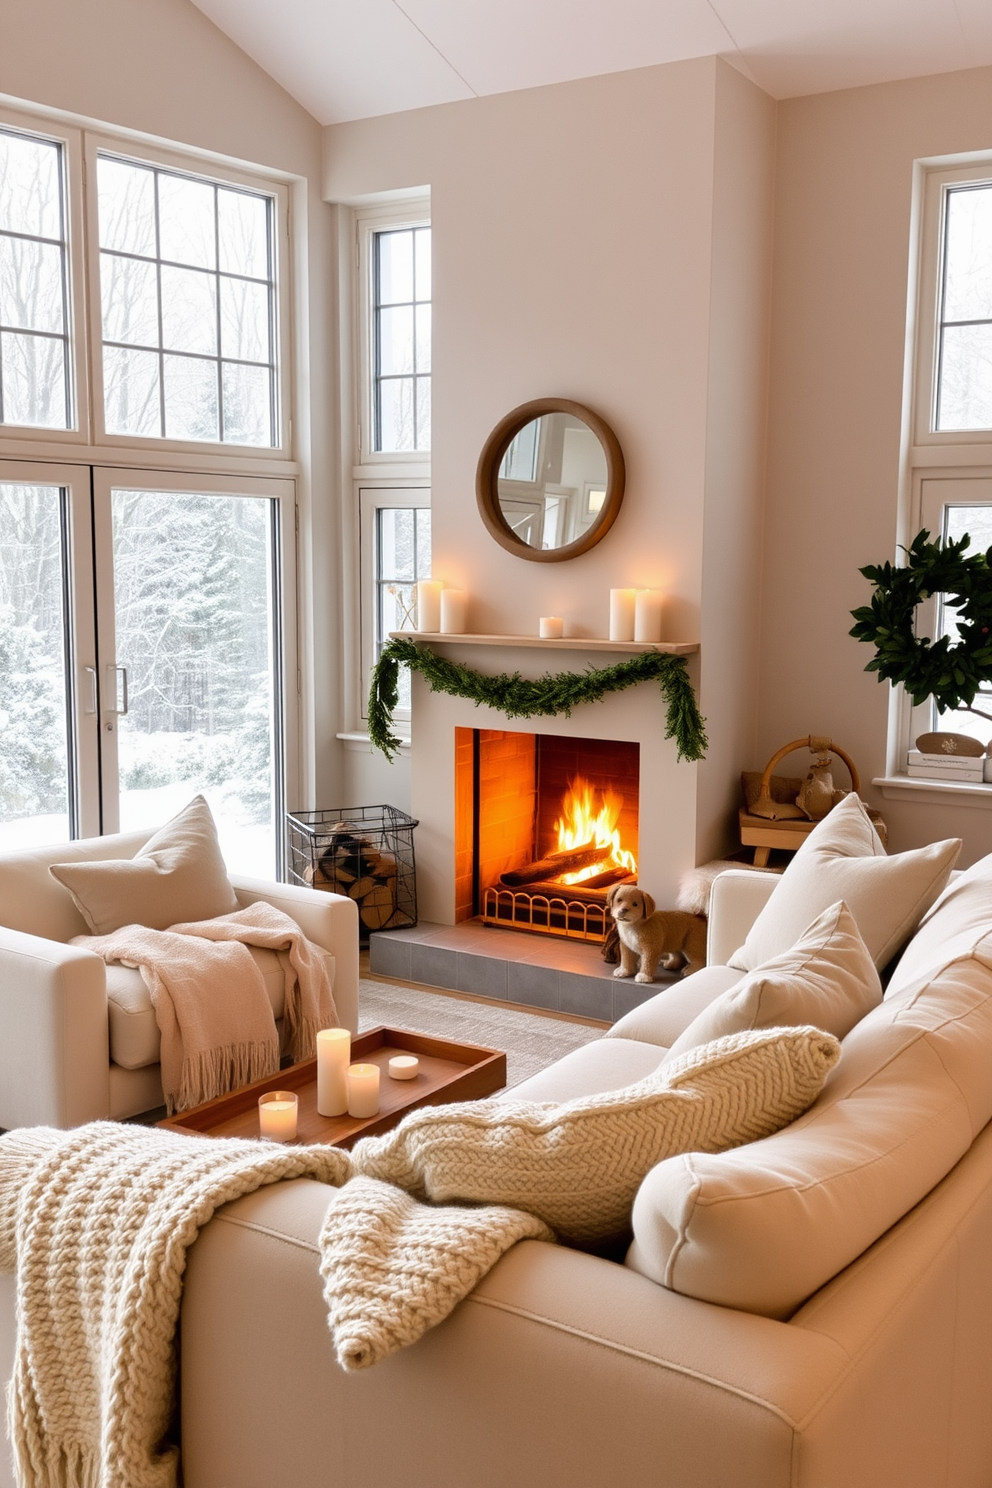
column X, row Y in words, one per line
column 545, row 914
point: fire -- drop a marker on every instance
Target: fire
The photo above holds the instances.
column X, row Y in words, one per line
column 588, row 816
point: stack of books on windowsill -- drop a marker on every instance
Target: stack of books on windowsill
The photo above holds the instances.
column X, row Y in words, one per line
column 971, row 769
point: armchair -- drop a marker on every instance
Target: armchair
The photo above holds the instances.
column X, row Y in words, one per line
column 77, row 1038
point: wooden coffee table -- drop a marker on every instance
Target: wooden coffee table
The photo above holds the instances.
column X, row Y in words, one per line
column 448, row 1072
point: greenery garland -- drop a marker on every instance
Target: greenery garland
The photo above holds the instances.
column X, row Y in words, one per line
column 551, row 694
column 950, row 671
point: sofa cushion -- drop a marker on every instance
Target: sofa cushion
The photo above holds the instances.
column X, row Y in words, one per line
column 765, row 1226
column 664, row 1016
column 842, row 858
column 827, row 979
column 605, row 1064
column 178, row 875
column 961, row 917
column 134, row 1033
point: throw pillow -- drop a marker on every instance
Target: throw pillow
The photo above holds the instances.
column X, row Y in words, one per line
column 827, row 979
column 961, row 917
column 578, row 1165
column 178, row 875
column 842, row 858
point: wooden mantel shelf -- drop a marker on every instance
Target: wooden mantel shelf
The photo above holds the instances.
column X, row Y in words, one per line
column 568, row 643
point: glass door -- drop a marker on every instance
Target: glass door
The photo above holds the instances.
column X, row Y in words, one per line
column 192, row 581
column 49, row 742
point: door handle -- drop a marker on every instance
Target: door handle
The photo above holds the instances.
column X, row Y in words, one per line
column 112, row 672
column 91, row 674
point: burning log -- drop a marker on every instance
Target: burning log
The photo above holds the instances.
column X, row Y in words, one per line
column 555, row 864
column 619, row 874
column 579, row 893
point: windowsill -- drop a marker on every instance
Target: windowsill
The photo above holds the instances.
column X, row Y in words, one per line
column 935, row 792
column 363, row 743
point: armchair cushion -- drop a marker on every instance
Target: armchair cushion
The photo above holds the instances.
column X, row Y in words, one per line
column 178, row 875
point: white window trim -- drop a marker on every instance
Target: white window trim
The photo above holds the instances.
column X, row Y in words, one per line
column 415, row 211
column 932, row 461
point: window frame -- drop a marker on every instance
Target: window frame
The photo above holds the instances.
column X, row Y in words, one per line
column 372, row 500
column 71, row 141
column 413, row 211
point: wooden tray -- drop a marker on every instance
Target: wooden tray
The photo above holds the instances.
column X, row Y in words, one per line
column 448, row 1072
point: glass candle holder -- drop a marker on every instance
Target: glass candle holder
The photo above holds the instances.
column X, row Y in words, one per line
column 277, row 1111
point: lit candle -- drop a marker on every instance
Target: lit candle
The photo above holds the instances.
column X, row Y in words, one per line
column 404, row 1067
column 333, row 1058
column 429, row 593
column 647, row 615
column 277, row 1116
column 622, row 606
column 552, row 627
column 363, row 1089
column 454, row 611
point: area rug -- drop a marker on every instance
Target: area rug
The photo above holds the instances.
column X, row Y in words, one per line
column 530, row 1042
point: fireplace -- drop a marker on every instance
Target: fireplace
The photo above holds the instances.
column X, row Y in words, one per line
column 544, row 825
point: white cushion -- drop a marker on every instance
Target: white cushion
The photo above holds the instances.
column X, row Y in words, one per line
column 605, row 1064
column 827, row 979
column 178, row 875
column 842, row 858
column 961, row 917
column 664, row 1016
column 765, row 1226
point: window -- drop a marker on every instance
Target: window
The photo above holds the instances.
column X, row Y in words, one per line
column 401, row 309
column 964, row 353
column 396, row 552
column 35, row 364
column 188, row 301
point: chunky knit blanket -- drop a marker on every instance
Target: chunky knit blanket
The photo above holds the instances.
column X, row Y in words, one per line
column 97, row 1221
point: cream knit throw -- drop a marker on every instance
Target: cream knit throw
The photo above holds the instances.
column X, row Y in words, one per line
column 578, row 1166
column 211, row 1006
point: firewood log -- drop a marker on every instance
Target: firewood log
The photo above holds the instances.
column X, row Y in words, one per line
column 555, row 864
column 377, row 907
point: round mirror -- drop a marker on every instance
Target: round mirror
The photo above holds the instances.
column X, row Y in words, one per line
column 550, row 480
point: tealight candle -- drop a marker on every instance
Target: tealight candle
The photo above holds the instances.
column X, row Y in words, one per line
column 277, row 1116
column 333, row 1059
column 363, row 1089
column 404, row 1067
column 454, row 611
column 647, row 615
column 429, row 593
column 551, row 627
column 622, row 607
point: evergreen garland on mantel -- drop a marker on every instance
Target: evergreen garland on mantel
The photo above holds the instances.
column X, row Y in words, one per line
column 549, row 695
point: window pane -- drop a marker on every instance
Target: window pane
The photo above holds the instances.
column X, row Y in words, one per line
column 398, row 608
column 965, row 397
column 968, row 255
column 244, row 331
column 396, row 428
column 975, row 520
column 247, row 404
column 186, row 222
column 34, row 390
column 127, row 206
column 395, row 267
column 129, row 290
column 423, row 413
column 397, row 554
column 34, row 796
column 189, row 310
column 190, row 398
column 423, row 338
column 31, row 296
column 130, row 391
column 30, row 198
column 243, row 233
column 423, row 257
column 396, row 341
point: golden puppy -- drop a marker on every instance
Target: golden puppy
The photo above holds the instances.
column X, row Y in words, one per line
column 650, row 937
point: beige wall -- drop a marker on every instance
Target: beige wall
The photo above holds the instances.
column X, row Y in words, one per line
column 574, row 254
column 161, row 68
column 843, row 208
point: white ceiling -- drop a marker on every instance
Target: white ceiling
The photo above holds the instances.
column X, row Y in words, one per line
column 351, row 59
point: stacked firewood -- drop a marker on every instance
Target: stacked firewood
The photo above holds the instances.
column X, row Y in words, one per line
column 353, row 865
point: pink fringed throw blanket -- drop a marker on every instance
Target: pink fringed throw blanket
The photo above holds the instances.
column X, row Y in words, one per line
column 216, row 1022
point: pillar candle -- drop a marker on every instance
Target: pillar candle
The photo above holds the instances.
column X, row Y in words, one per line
column 622, row 604
column 454, row 611
column 552, row 627
column 333, row 1059
column 363, row 1089
column 647, row 615
column 277, row 1116
column 429, row 593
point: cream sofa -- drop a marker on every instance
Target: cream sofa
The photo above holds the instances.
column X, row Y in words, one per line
column 809, row 1311
column 78, row 1040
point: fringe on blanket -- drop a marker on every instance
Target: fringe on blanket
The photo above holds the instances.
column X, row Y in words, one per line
column 215, row 1072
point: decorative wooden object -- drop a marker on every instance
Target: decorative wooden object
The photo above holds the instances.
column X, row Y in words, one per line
column 772, row 819
column 447, row 1071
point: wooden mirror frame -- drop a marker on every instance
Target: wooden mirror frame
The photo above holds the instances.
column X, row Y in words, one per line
column 487, row 477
